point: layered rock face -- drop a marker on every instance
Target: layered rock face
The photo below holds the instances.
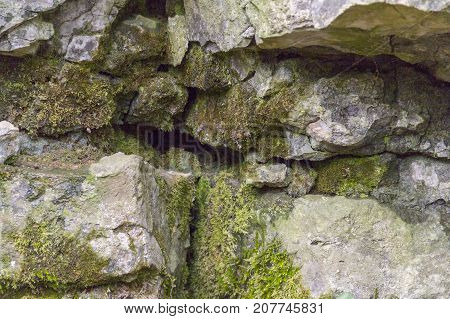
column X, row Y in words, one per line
column 224, row 149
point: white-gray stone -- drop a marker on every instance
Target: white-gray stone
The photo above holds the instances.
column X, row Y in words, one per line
column 360, row 247
column 9, row 141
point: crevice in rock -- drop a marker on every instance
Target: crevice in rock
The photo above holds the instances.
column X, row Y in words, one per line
column 163, row 141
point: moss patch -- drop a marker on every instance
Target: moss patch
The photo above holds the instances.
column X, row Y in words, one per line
column 179, row 204
column 207, row 71
column 52, row 258
column 353, row 176
column 267, row 272
column 50, row 97
column 222, row 267
column 111, row 141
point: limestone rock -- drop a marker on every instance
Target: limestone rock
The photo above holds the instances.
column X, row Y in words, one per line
column 21, row 26
column 418, row 188
column 178, row 39
column 158, row 101
column 84, row 18
column 136, row 39
column 270, row 175
column 362, row 248
column 365, row 27
column 24, row 40
column 9, row 141
column 88, row 229
column 222, row 24
column 82, row 48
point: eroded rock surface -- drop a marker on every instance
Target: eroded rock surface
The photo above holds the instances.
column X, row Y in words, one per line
column 80, row 229
column 360, row 247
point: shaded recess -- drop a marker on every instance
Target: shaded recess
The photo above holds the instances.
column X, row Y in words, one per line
column 163, row 141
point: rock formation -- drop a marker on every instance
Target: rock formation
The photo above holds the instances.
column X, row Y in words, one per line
column 224, row 148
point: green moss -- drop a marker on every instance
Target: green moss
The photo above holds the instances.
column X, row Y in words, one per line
column 160, row 99
column 74, row 158
column 111, row 141
column 277, row 108
column 350, row 176
column 179, row 203
column 267, row 272
column 207, row 71
column 273, row 146
column 52, row 258
column 6, row 174
column 221, row 267
column 182, row 161
column 237, row 118
column 213, row 118
column 48, row 96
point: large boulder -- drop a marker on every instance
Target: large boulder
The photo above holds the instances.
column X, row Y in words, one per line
column 365, row 27
column 75, row 229
column 363, row 249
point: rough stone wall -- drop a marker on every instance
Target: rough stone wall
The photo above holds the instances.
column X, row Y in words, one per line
column 224, row 148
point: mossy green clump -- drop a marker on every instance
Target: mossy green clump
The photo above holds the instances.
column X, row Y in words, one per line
column 51, row 97
column 51, row 258
column 111, row 141
column 267, row 272
column 179, row 201
column 238, row 119
column 227, row 119
column 70, row 159
column 159, row 100
column 6, row 174
column 222, row 267
column 350, row 176
column 273, row 146
column 207, row 71
column 180, row 160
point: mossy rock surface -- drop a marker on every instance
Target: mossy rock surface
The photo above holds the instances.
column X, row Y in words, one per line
column 350, row 176
column 51, row 97
column 223, row 265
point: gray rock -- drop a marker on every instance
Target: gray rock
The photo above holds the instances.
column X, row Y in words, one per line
column 300, row 148
column 24, row 40
column 84, row 18
column 13, row 142
column 21, row 27
column 418, row 189
column 362, row 248
column 9, row 141
column 270, row 175
column 82, row 48
column 365, row 27
column 116, row 213
column 362, row 113
column 222, row 24
column 177, row 39
column 136, row 39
